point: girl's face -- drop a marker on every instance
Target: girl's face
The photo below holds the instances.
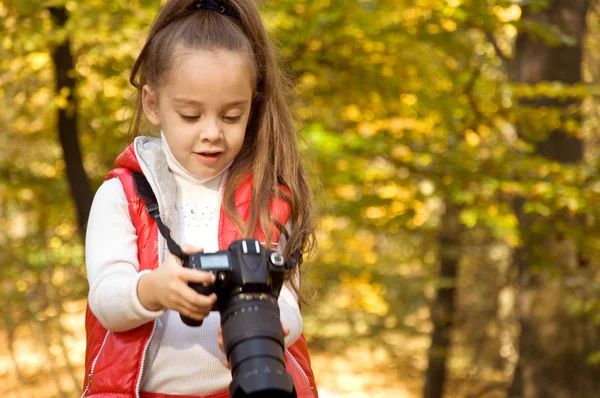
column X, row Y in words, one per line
column 202, row 105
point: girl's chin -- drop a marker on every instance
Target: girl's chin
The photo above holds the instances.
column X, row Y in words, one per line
column 204, row 172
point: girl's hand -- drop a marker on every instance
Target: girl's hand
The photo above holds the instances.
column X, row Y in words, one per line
column 225, row 362
column 167, row 287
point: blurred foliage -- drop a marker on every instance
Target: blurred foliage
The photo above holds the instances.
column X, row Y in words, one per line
column 404, row 107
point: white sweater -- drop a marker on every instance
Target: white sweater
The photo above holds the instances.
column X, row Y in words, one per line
column 188, row 360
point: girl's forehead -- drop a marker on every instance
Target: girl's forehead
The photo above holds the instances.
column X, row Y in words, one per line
column 201, row 73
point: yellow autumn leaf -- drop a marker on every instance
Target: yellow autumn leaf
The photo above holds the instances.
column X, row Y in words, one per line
column 402, row 152
column 352, row 113
column 375, row 212
column 37, row 60
column 55, row 243
column 472, row 138
column 507, row 14
column 308, row 80
column 449, row 25
column 347, row 192
column 421, row 213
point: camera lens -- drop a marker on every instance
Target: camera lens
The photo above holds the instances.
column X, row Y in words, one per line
column 253, row 340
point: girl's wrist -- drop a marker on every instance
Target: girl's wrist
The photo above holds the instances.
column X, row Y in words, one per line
column 146, row 289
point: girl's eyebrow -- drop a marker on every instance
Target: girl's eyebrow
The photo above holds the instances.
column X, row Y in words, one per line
column 189, row 101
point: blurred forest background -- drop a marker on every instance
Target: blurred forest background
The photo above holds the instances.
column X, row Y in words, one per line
column 453, row 146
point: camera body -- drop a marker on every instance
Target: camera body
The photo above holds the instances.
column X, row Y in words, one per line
column 245, row 268
column 247, row 284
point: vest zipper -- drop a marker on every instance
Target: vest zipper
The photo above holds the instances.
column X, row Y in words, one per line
column 89, row 383
column 139, row 381
column 138, row 385
column 291, row 357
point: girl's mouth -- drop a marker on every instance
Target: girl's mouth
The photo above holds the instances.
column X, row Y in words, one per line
column 208, row 158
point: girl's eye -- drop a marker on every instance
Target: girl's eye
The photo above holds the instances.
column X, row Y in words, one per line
column 188, row 118
column 232, row 119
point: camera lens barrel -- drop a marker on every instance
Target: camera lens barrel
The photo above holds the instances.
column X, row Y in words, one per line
column 254, row 343
column 262, row 377
column 262, row 347
column 251, row 319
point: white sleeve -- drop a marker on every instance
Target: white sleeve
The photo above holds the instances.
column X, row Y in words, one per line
column 289, row 310
column 290, row 315
column 112, row 262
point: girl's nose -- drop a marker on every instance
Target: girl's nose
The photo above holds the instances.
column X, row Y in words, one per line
column 210, row 131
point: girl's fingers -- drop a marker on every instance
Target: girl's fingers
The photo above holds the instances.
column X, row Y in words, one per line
column 286, row 330
column 220, row 340
column 191, row 302
column 192, row 314
column 195, row 276
column 225, row 362
column 197, row 300
column 182, row 298
column 189, row 310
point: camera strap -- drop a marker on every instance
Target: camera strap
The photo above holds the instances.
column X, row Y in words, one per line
column 144, row 191
column 294, row 260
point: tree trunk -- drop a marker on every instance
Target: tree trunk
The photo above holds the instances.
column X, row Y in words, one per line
column 443, row 307
column 524, row 381
column 67, row 124
column 550, row 363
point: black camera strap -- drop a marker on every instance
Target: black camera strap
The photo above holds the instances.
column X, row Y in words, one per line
column 144, row 191
column 294, row 260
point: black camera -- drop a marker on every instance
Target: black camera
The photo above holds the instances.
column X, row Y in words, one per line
column 248, row 279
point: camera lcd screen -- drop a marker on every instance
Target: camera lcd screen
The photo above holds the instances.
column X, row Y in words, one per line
column 214, row 261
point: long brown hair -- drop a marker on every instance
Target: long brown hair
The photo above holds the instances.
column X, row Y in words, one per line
column 270, row 148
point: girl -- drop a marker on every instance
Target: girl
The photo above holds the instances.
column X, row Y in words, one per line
column 226, row 166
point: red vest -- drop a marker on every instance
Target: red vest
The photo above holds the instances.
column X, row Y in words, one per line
column 114, row 360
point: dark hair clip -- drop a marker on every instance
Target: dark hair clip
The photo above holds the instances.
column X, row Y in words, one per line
column 214, row 6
